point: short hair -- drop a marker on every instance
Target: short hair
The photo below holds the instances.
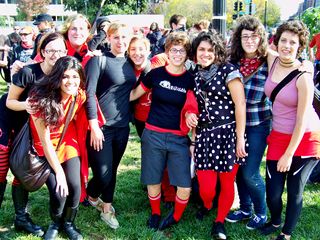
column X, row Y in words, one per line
column 68, row 22
column 178, row 38
column 154, row 27
column 176, row 18
column 114, row 27
column 140, row 38
column 204, row 24
column 250, row 23
column 216, row 41
column 296, row 27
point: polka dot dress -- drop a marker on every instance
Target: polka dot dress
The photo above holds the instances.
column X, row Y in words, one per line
column 215, row 136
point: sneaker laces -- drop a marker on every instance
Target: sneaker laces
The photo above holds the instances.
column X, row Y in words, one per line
column 256, row 218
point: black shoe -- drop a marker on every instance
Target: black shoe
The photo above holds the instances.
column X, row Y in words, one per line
column 280, row 237
column 268, row 228
column 168, row 221
column 72, row 232
column 218, row 231
column 86, row 202
column 154, row 221
column 52, row 231
column 2, row 191
column 24, row 223
column 201, row 213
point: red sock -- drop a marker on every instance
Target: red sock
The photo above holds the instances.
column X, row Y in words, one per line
column 179, row 207
column 155, row 204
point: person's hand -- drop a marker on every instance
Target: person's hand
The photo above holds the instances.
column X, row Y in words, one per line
column 16, row 66
column 96, row 139
column 284, row 163
column 240, row 148
column 191, row 120
column 29, row 108
column 62, row 186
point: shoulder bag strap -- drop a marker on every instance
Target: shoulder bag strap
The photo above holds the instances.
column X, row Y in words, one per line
column 68, row 119
column 283, row 83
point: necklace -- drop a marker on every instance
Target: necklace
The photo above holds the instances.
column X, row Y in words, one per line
column 286, row 64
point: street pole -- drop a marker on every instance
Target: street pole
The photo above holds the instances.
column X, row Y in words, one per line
column 238, row 6
column 265, row 13
column 219, row 16
column 250, row 7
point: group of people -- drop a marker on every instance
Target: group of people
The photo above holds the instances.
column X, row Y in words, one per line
column 195, row 88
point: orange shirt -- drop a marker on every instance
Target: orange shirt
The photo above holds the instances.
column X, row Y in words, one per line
column 69, row 147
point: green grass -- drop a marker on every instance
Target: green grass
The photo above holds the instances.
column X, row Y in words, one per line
column 132, row 208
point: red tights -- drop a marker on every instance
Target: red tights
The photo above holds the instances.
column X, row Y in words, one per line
column 207, row 187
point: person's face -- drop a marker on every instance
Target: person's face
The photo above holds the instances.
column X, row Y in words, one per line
column 119, row 41
column 288, row 46
column 16, row 29
column 26, row 38
column 177, row 55
column 205, row 54
column 78, row 32
column 53, row 51
column 138, row 53
column 250, row 42
column 70, row 83
column 181, row 24
column 42, row 26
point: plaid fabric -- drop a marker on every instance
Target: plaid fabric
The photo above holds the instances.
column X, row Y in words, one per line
column 258, row 105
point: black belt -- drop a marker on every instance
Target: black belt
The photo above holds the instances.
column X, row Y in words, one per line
column 214, row 123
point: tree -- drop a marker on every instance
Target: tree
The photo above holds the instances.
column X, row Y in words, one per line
column 272, row 7
column 32, row 7
column 309, row 16
column 110, row 7
column 194, row 10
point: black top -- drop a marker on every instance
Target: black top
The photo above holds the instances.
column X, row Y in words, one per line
column 111, row 79
column 168, row 96
column 22, row 54
column 26, row 78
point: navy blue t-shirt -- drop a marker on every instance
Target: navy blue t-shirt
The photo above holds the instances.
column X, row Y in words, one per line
column 168, row 96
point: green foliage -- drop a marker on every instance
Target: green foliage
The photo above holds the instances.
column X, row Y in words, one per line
column 194, row 10
column 311, row 18
column 110, row 7
column 31, row 8
column 3, row 21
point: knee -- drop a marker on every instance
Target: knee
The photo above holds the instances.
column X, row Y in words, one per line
column 183, row 193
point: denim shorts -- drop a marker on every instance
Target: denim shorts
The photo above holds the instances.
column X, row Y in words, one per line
column 161, row 150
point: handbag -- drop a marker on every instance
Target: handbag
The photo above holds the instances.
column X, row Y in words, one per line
column 29, row 168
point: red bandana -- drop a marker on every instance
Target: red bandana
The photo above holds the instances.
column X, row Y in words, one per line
column 249, row 65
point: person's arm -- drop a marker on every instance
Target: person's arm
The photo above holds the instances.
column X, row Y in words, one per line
column 97, row 40
column 137, row 92
column 236, row 89
column 305, row 97
column 311, row 54
column 13, row 102
column 93, row 75
column 51, row 156
column 271, row 56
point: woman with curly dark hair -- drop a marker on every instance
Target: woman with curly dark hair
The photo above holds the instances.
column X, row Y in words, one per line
column 249, row 53
column 294, row 142
column 51, row 100
column 218, row 140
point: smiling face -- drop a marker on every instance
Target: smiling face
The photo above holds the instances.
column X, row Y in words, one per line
column 70, row 83
column 138, row 53
column 53, row 51
column 250, row 42
column 78, row 32
column 119, row 41
column 177, row 55
column 205, row 54
column 288, row 46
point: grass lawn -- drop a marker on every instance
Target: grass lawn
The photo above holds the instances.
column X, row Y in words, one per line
column 132, row 208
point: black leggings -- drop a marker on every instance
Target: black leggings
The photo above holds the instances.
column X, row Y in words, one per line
column 104, row 164
column 296, row 180
column 71, row 169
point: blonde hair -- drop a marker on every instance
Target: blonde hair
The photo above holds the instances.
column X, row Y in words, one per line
column 139, row 38
column 114, row 27
column 70, row 20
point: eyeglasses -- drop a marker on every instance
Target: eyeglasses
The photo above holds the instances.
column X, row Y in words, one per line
column 24, row 34
column 253, row 37
column 52, row 51
column 180, row 51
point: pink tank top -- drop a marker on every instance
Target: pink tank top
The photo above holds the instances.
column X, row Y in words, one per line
column 284, row 108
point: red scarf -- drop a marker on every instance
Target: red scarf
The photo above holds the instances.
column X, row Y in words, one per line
column 249, row 65
column 25, row 45
column 82, row 55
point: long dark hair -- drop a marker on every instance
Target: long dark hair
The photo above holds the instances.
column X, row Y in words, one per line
column 45, row 97
column 215, row 40
column 252, row 24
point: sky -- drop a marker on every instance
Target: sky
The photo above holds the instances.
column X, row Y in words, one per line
column 288, row 7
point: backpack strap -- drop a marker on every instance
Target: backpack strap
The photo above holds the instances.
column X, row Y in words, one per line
column 283, row 83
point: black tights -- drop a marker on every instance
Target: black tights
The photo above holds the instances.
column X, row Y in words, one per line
column 296, row 180
column 71, row 169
